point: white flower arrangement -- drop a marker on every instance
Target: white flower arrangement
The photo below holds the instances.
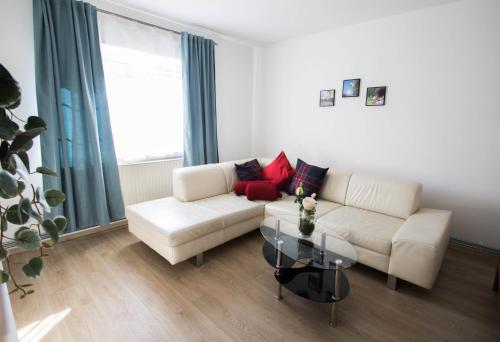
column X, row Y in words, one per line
column 309, row 203
column 305, row 203
column 307, row 209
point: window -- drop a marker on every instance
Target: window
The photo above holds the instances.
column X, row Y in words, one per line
column 143, row 72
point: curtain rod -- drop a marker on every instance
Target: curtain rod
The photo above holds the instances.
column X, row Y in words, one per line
column 140, row 21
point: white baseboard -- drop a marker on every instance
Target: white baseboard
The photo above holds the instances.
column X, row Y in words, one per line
column 80, row 233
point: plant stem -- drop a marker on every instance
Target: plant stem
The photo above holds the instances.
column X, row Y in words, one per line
column 14, row 115
column 1, row 230
column 12, row 277
column 6, row 237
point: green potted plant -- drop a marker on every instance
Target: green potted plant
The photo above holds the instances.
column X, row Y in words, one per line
column 24, row 208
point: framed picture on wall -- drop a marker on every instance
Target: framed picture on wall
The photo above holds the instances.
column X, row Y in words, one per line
column 375, row 96
column 327, row 98
column 350, row 88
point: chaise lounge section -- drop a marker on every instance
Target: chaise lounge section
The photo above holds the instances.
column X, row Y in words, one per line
column 380, row 217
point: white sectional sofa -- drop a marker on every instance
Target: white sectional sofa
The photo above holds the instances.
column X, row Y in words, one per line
column 381, row 217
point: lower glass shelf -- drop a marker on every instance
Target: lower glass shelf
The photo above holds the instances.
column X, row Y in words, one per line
column 308, row 282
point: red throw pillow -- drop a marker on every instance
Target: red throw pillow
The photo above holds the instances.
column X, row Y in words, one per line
column 240, row 187
column 279, row 172
column 262, row 191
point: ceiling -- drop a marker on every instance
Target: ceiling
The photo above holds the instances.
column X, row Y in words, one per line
column 266, row 21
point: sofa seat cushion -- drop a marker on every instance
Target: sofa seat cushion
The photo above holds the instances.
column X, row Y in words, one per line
column 231, row 208
column 363, row 228
column 286, row 206
column 178, row 221
column 181, row 222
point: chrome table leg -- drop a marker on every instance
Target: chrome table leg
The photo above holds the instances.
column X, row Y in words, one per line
column 279, row 265
column 336, row 296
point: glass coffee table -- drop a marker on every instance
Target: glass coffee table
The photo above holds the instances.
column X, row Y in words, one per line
column 310, row 267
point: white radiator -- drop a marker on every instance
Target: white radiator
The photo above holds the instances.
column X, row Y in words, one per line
column 147, row 181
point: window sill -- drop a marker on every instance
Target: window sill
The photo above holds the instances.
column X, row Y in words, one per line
column 151, row 161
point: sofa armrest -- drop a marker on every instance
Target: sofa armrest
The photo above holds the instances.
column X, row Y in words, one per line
column 418, row 247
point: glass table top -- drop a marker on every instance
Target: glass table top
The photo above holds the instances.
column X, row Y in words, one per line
column 323, row 249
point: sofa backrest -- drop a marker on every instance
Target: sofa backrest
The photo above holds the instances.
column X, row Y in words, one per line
column 198, row 182
column 393, row 197
column 335, row 185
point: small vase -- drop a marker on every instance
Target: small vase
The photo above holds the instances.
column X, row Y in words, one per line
column 306, row 222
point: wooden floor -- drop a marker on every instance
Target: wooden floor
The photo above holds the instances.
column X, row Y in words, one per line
column 111, row 287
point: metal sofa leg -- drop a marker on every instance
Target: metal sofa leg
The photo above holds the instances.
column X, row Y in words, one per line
column 392, row 282
column 197, row 260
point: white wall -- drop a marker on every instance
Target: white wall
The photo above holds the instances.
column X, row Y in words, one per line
column 441, row 123
column 16, row 45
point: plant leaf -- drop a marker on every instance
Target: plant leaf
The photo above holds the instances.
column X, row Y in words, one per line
column 19, row 231
column 27, row 207
column 3, row 253
column 4, row 150
column 4, row 195
column 4, row 156
column 34, row 132
column 20, row 168
column 46, row 171
column 15, row 104
column 22, row 142
column 11, row 93
column 35, row 122
column 61, row 222
column 27, row 238
column 54, row 197
column 25, row 159
column 51, row 228
column 4, row 277
column 8, row 184
column 8, row 128
column 40, row 197
column 20, row 186
column 33, row 268
column 13, row 214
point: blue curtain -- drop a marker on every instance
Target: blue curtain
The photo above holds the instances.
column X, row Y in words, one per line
column 71, row 97
column 200, row 117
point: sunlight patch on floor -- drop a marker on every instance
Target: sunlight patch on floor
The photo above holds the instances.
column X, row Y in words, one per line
column 37, row 330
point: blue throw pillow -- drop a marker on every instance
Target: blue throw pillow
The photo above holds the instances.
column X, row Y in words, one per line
column 310, row 176
column 249, row 171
